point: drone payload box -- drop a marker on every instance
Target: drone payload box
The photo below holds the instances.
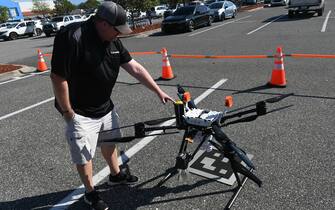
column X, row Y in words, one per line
column 202, row 118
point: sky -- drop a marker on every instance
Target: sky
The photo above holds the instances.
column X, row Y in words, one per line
column 76, row 2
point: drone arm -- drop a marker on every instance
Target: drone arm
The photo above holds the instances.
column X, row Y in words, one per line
column 239, row 168
column 259, row 110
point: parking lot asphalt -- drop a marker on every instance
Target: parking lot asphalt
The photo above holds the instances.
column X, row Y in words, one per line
column 292, row 146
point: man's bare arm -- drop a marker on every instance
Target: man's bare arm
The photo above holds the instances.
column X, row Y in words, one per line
column 61, row 91
column 141, row 74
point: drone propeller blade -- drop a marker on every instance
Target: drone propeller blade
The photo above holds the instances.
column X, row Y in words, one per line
column 120, row 140
column 278, row 98
column 241, row 154
column 158, row 121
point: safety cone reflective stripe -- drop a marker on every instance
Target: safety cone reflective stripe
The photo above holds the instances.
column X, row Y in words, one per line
column 41, row 65
column 167, row 73
column 278, row 78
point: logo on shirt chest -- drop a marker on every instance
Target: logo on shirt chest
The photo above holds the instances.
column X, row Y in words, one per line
column 112, row 52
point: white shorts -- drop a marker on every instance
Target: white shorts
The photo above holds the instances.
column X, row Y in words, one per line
column 82, row 134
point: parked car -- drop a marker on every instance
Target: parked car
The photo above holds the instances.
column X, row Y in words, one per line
column 171, row 9
column 209, row 2
column 158, row 11
column 222, row 10
column 195, row 3
column 187, row 19
column 38, row 27
column 253, row 1
column 4, row 25
column 15, row 30
column 87, row 16
column 59, row 22
column 279, row 2
column 297, row 6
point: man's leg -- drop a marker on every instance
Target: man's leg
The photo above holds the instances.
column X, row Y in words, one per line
column 86, row 175
column 109, row 152
column 82, row 136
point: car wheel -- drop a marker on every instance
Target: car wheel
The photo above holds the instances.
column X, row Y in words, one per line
column 234, row 14
column 38, row 32
column 13, row 36
column 223, row 16
column 190, row 26
column 290, row 14
column 320, row 12
column 210, row 21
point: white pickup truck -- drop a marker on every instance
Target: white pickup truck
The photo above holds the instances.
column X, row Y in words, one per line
column 59, row 22
column 297, row 6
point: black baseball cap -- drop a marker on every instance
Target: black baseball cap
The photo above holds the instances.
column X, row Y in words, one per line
column 115, row 15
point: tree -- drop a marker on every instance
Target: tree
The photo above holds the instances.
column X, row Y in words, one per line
column 89, row 4
column 40, row 7
column 3, row 14
column 63, row 7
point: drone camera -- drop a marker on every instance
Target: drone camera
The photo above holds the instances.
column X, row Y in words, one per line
column 229, row 101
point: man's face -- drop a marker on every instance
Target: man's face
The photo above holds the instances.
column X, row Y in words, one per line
column 106, row 31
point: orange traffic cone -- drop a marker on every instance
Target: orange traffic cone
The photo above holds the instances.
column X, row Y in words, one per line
column 167, row 73
column 278, row 78
column 41, row 65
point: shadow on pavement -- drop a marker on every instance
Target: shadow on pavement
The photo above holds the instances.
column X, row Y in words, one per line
column 285, row 18
column 40, row 202
column 131, row 198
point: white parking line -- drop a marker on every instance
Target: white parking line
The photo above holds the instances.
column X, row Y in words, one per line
column 79, row 192
column 219, row 26
column 25, row 109
column 324, row 26
column 264, row 25
column 23, row 77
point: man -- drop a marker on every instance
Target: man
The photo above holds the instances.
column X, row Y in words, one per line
column 85, row 65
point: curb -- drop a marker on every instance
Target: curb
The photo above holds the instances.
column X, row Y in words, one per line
column 17, row 73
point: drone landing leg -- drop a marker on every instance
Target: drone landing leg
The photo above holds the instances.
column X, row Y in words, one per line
column 237, row 189
column 167, row 177
column 182, row 161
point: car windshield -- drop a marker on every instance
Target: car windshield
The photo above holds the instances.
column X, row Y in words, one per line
column 12, row 25
column 217, row 5
column 184, row 11
column 57, row 19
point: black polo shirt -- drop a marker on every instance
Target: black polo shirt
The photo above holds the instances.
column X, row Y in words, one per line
column 90, row 67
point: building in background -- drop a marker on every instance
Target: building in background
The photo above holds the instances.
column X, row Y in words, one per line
column 27, row 5
column 14, row 10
